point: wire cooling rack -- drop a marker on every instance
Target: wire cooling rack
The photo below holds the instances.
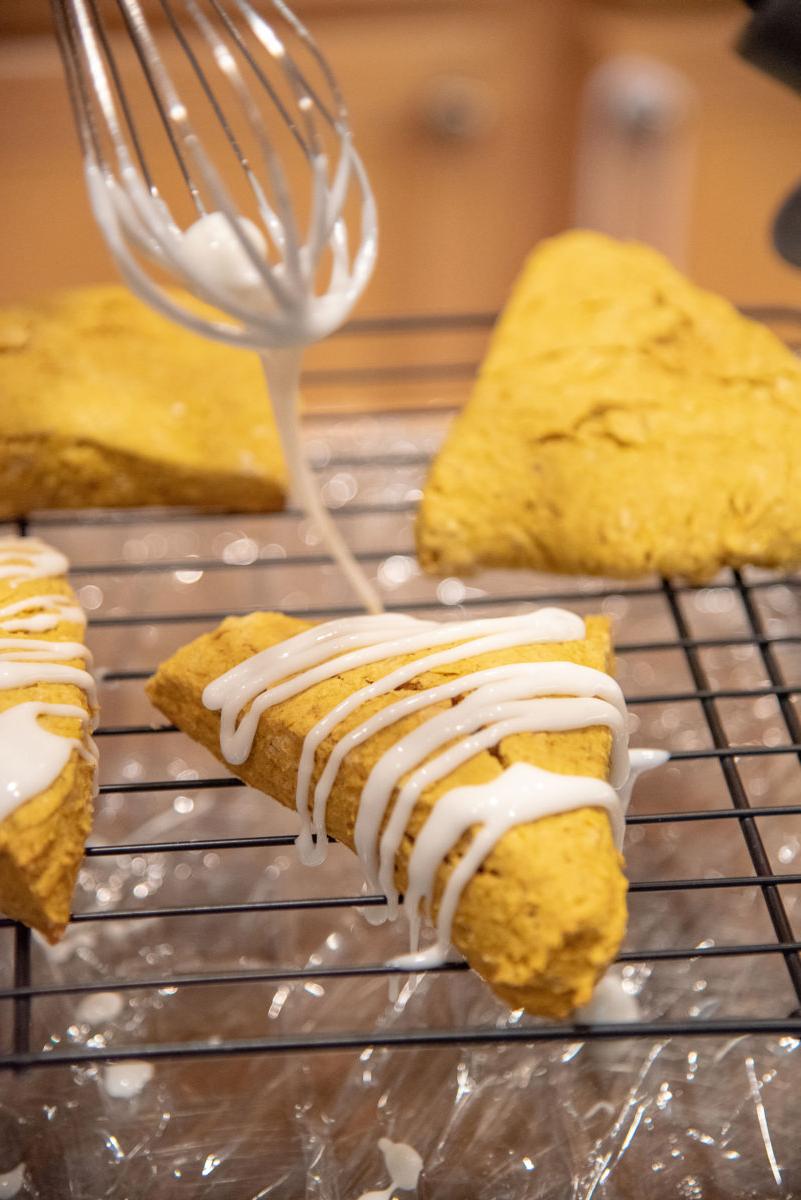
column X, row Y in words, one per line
column 371, row 466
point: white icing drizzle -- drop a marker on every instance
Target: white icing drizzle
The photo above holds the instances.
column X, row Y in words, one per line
column 640, row 761
column 470, row 713
column 46, row 612
column 522, row 793
column 33, row 756
column 28, row 558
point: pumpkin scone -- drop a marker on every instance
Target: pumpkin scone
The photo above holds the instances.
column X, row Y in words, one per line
column 105, row 403
column 623, row 422
column 47, row 758
column 478, row 768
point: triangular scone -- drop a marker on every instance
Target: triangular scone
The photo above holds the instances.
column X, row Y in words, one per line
column 42, row 839
column 105, row 403
column 623, row 422
column 545, row 913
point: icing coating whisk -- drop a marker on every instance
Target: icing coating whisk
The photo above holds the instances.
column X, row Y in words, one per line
column 226, row 213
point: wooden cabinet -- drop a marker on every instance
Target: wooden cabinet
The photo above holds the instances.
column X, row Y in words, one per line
column 460, row 111
column 745, row 129
column 467, row 114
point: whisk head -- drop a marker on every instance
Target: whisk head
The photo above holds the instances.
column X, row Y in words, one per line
column 218, row 155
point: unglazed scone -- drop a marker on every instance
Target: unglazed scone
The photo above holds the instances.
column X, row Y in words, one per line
column 624, row 421
column 545, row 912
column 46, row 813
column 105, row 403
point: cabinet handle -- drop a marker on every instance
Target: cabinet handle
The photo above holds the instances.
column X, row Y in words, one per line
column 457, row 108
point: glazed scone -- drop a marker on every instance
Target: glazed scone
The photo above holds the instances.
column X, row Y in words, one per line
column 105, row 403
column 623, row 422
column 45, row 817
column 545, row 913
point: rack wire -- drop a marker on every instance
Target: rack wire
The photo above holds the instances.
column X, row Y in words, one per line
column 741, row 811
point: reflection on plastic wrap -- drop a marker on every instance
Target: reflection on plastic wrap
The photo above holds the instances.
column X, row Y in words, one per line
column 579, row 1119
column 698, row 1118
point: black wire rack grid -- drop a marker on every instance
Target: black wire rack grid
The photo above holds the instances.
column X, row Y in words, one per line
column 25, row 990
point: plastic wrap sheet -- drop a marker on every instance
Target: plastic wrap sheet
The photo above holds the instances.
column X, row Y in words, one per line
column 697, row 1118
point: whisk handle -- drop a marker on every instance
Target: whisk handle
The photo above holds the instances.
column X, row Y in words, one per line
column 771, row 40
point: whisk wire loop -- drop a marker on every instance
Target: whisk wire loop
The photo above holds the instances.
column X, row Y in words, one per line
column 268, row 280
column 289, row 296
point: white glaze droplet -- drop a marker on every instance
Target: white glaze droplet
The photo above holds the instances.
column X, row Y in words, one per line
column 12, row 1181
column 125, row 1080
column 99, row 1007
column 611, row 1004
column 404, row 1166
column 403, row 1163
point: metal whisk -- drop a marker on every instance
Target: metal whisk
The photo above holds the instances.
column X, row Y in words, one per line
column 220, row 213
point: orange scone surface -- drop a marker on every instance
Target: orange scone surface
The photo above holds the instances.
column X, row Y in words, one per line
column 545, row 913
column 105, row 403
column 624, row 421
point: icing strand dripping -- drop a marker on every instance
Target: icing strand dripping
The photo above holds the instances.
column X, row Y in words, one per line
column 34, row 756
column 483, row 708
column 282, row 372
column 212, row 253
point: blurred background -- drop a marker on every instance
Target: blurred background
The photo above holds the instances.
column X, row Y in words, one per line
column 485, row 125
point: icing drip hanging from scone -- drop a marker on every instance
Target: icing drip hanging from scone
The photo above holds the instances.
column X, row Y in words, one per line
column 483, row 708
